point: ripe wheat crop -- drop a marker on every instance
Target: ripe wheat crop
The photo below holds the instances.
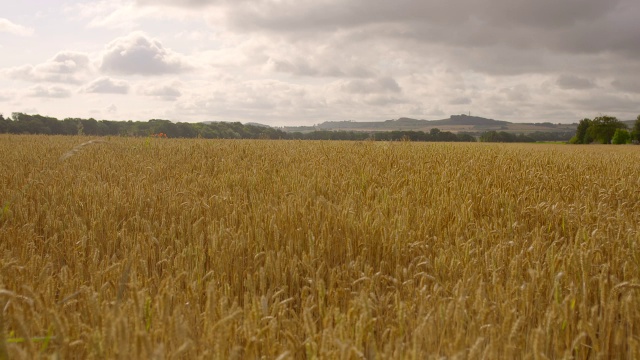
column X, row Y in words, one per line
column 167, row 248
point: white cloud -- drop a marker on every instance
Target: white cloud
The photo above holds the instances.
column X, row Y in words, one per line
column 106, row 85
column 56, row 92
column 137, row 54
column 115, row 14
column 121, row 14
column 13, row 28
column 65, row 67
column 166, row 92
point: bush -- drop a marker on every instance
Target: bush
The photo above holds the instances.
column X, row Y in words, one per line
column 621, row 136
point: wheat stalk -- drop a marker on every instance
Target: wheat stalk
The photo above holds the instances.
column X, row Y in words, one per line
column 254, row 249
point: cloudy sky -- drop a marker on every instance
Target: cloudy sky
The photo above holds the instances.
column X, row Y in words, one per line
column 299, row 62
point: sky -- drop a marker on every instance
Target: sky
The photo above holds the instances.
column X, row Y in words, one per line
column 303, row 62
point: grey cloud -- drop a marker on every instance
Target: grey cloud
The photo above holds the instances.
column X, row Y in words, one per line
column 569, row 26
column 607, row 103
column 307, row 14
column 573, row 82
column 517, row 93
column 65, row 67
column 136, row 54
column 627, row 84
column 549, row 45
column 180, row 3
column 301, row 67
column 532, row 31
column 383, row 100
column 500, row 60
column 543, row 13
column 436, row 112
column 49, row 92
column 310, row 60
column 359, row 72
column 381, row 85
column 460, row 101
column 105, row 85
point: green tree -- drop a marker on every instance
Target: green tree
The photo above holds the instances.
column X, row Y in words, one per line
column 466, row 137
column 621, row 136
column 4, row 124
column 164, row 126
column 186, row 130
column 498, row 136
column 603, row 128
column 581, row 132
column 635, row 133
column 524, row 138
column 90, row 126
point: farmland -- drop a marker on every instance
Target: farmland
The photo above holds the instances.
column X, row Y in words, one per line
column 168, row 248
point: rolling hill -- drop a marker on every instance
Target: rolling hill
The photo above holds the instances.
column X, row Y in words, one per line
column 455, row 123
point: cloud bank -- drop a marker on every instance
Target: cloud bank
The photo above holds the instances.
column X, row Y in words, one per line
column 65, row 67
column 301, row 62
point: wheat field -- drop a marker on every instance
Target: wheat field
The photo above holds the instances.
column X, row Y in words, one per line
column 182, row 249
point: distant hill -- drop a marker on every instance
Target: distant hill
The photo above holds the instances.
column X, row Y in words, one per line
column 469, row 120
column 455, row 123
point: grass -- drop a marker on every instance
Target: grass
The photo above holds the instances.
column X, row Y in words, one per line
column 166, row 248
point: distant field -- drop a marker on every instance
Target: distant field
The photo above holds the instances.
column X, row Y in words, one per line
column 162, row 248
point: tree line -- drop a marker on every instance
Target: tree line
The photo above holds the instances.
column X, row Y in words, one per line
column 606, row 130
column 20, row 123
column 434, row 135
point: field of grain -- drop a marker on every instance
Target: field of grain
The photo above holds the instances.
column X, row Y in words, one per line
column 165, row 248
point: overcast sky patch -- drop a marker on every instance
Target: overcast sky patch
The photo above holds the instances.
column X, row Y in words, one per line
column 302, row 62
column 572, row 82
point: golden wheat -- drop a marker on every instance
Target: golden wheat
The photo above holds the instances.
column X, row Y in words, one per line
column 155, row 248
column 79, row 147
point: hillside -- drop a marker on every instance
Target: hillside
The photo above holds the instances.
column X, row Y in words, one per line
column 455, row 123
